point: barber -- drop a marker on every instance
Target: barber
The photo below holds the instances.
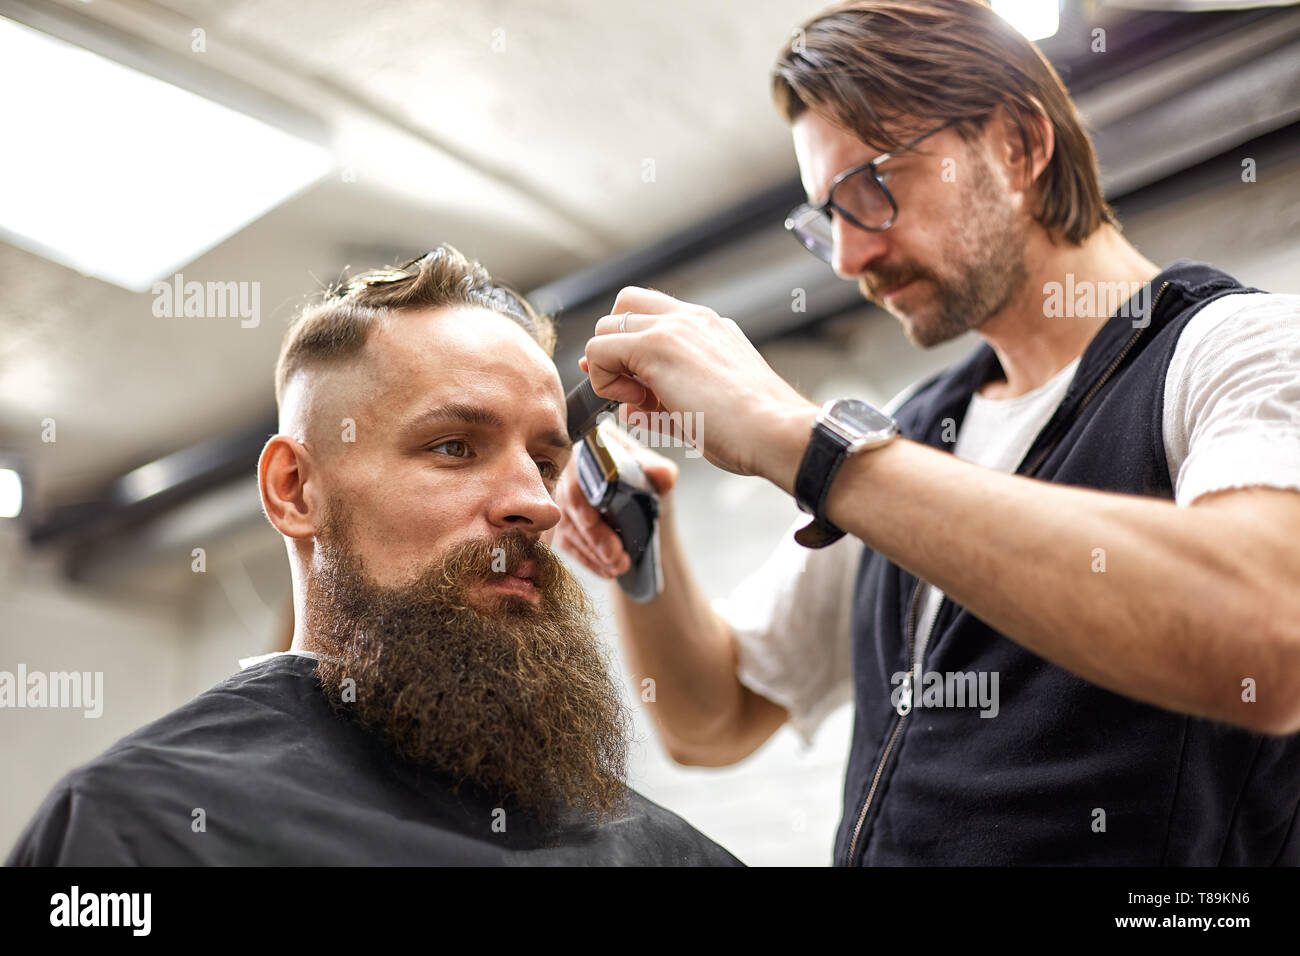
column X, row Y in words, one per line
column 1101, row 508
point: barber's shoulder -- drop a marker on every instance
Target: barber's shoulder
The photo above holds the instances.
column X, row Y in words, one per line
column 1242, row 307
column 1237, row 321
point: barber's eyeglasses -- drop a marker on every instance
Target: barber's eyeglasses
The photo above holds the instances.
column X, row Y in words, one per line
column 859, row 195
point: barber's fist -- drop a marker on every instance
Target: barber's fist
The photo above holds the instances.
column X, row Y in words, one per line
column 582, row 532
column 657, row 354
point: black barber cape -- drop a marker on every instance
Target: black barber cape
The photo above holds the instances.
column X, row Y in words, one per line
column 259, row 770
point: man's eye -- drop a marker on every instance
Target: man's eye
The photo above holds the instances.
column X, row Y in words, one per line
column 454, row 443
column 548, row 469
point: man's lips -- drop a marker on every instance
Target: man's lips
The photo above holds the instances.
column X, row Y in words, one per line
column 895, row 289
column 527, row 571
column 516, row 585
column 518, row 581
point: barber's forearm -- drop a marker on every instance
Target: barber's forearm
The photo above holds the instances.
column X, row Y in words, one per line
column 1181, row 614
column 680, row 643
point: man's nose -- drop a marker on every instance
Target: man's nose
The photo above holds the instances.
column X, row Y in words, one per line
column 855, row 249
column 521, row 499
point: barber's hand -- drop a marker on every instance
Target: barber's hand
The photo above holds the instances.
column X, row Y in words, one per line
column 583, row 533
column 684, row 358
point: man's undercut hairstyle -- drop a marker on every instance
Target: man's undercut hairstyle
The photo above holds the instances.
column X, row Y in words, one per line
column 336, row 327
column 913, row 65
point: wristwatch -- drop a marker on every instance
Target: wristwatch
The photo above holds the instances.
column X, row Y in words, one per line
column 843, row 427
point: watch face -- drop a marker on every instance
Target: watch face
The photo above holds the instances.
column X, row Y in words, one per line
column 859, row 420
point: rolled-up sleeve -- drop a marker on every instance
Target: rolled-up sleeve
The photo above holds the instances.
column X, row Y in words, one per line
column 1232, row 408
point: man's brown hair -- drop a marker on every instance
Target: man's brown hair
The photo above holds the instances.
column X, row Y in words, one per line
column 867, row 64
column 336, row 327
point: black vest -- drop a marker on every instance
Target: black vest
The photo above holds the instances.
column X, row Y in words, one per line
column 1063, row 757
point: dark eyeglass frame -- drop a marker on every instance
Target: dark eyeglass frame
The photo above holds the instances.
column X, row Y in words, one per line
column 804, row 211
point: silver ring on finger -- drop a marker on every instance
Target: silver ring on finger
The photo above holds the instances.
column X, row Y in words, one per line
column 622, row 321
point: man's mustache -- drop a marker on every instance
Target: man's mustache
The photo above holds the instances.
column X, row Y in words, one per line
column 512, row 553
column 874, row 285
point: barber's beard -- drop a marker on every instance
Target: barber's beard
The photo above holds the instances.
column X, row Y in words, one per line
column 983, row 261
column 514, row 698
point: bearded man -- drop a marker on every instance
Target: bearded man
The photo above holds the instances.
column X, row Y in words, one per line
column 445, row 699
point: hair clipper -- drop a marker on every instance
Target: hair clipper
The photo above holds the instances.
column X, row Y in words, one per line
column 614, row 484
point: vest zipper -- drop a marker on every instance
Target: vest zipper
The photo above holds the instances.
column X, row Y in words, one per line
column 1096, row 386
column 909, row 685
column 904, row 708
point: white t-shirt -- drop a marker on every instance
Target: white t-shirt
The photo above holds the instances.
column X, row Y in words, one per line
column 1231, row 419
column 995, row 433
column 246, row 662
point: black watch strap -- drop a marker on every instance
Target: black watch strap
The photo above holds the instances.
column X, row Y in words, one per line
column 821, row 462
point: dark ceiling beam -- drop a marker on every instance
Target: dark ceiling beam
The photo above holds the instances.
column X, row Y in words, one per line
column 604, row 279
column 155, row 487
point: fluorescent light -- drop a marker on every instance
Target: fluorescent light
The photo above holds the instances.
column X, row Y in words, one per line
column 1036, row 19
column 123, row 176
column 11, row 493
column 146, row 481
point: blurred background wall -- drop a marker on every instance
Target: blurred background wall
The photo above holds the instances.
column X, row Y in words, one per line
column 573, row 147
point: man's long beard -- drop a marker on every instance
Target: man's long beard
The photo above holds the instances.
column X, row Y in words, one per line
column 516, row 699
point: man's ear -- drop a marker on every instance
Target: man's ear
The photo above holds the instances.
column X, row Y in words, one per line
column 1023, row 169
column 283, row 472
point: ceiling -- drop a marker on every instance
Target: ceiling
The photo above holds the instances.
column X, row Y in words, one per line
column 545, row 139
column 517, row 132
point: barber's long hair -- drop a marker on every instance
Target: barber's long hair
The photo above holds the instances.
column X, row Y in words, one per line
column 869, row 63
column 336, row 327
